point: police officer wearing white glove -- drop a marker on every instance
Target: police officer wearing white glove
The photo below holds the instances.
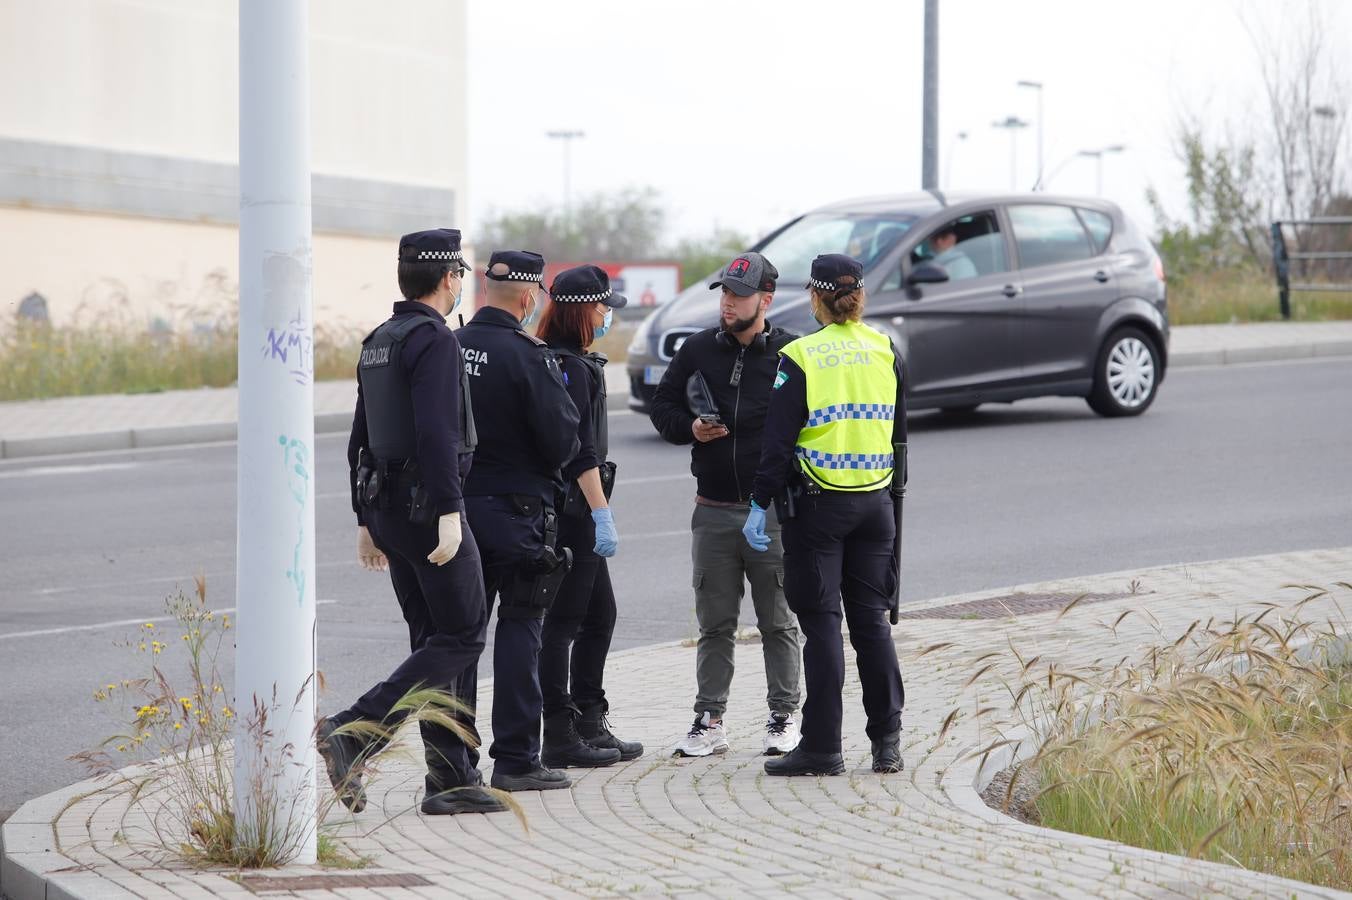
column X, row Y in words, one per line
column 412, row 439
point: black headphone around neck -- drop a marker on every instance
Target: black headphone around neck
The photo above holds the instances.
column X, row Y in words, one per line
column 757, row 344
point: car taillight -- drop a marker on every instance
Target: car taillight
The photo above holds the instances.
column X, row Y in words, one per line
column 1159, row 268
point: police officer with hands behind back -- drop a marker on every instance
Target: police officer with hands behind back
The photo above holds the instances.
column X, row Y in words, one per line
column 837, row 409
column 527, row 430
column 412, row 436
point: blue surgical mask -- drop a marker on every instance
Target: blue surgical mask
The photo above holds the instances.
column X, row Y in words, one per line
column 598, row 333
column 530, row 317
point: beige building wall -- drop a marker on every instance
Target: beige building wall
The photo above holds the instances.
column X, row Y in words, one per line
column 118, row 142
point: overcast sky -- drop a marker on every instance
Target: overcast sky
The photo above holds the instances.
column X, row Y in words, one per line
column 746, row 112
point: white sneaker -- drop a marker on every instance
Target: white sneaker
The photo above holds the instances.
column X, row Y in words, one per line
column 705, row 737
column 781, row 734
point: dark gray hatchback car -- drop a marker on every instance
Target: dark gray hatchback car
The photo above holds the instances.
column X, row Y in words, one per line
column 990, row 298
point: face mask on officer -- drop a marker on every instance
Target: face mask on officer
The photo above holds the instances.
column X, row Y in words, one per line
column 600, row 331
column 455, row 298
column 529, row 317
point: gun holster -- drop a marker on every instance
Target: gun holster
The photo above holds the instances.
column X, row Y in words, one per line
column 371, row 478
column 532, row 588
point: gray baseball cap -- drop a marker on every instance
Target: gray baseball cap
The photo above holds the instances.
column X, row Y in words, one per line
column 748, row 274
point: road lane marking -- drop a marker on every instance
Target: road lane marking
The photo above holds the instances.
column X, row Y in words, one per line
column 40, row 471
column 43, row 632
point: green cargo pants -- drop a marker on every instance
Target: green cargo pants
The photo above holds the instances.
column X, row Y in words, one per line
column 724, row 563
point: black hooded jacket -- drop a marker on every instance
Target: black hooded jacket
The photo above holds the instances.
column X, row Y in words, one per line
column 725, row 468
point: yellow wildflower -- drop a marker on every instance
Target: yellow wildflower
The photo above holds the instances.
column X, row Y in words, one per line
column 178, row 726
column 149, row 626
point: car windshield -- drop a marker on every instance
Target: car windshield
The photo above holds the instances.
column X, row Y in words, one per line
column 866, row 238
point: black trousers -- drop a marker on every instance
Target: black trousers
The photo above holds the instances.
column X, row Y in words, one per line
column 839, row 548
column 447, row 618
column 510, row 540
column 578, row 627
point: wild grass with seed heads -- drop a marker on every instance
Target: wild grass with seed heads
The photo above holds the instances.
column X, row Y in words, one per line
column 1231, row 742
column 179, row 739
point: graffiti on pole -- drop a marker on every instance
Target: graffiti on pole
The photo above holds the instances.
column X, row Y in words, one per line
column 296, row 460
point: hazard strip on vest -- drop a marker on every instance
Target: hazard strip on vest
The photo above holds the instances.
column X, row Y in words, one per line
column 838, row 411
column 823, row 460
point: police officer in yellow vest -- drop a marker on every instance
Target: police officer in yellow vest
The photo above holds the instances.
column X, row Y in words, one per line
column 836, row 411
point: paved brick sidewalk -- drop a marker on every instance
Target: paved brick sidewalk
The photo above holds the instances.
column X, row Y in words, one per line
column 124, row 421
column 718, row 826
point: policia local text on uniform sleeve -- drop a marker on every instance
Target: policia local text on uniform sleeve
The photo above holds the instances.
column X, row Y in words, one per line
column 412, row 436
column 837, row 422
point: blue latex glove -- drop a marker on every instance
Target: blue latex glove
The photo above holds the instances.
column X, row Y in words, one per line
column 607, row 538
column 754, row 529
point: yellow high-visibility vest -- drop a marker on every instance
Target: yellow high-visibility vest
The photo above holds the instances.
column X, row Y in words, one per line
column 846, row 444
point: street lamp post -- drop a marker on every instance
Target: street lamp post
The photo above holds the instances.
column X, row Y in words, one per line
column 274, row 767
column 1098, row 162
column 1012, row 124
column 1037, row 86
column 567, row 136
column 929, row 131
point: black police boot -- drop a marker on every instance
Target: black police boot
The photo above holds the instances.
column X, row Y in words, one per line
column 538, row 779
column 595, row 730
column 342, row 757
column 563, row 747
column 887, row 753
column 802, row 762
column 467, row 798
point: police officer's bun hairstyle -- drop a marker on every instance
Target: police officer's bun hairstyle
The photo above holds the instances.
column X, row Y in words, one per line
column 419, row 278
column 566, row 324
column 846, row 303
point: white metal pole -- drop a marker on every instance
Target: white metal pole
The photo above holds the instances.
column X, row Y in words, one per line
column 275, row 637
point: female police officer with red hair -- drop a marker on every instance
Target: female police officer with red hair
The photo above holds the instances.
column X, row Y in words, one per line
column 837, row 410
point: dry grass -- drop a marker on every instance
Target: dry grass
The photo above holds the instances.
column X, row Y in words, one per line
column 183, row 734
column 1232, row 742
column 1245, row 295
column 118, row 354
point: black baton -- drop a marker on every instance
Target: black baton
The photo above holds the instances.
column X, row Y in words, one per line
column 898, row 499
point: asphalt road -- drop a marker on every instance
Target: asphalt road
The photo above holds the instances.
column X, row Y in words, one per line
column 1231, row 461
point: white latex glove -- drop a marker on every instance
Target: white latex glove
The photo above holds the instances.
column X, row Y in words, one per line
column 448, row 539
column 369, row 556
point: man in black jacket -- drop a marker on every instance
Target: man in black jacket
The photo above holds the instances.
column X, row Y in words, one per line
column 733, row 367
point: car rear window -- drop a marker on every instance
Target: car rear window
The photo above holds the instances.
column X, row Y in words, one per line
column 1047, row 234
column 1099, row 225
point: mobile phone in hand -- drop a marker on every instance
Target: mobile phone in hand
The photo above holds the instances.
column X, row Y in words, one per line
column 711, row 419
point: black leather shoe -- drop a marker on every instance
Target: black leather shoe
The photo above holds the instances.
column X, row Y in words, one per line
column 539, row 779
column 887, row 754
column 342, row 759
column 802, row 762
column 471, row 798
column 593, row 728
column 563, row 747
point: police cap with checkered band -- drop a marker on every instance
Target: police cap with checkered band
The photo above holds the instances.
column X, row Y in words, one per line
column 435, row 245
column 829, row 268
column 585, row 284
column 516, row 265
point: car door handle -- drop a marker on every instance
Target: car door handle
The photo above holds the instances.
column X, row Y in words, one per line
column 1100, row 276
column 1010, row 291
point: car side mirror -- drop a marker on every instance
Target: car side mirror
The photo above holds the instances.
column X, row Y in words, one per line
column 927, row 273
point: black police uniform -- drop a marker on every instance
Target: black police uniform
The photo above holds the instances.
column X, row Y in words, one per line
column 527, row 429
column 579, row 626
column 410, row 447
column 838, row 546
